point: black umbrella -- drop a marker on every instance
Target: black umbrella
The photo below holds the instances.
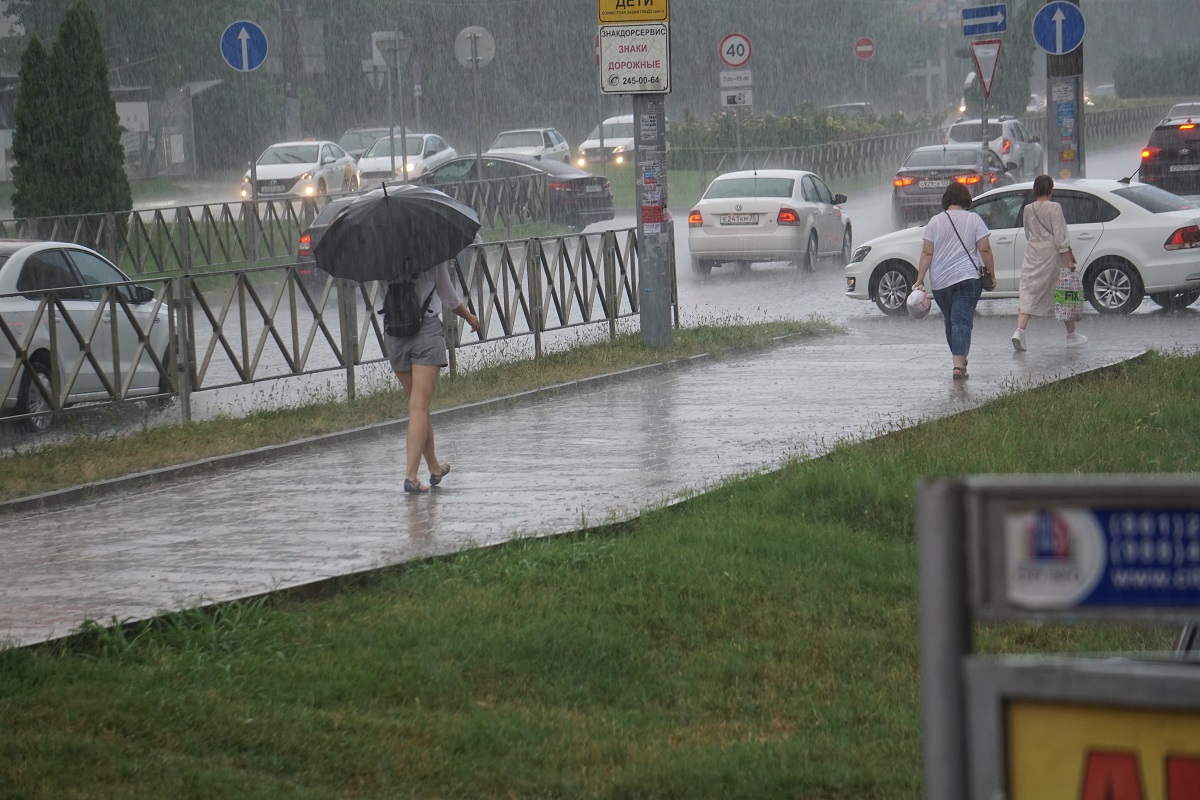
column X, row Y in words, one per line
column 395, row 232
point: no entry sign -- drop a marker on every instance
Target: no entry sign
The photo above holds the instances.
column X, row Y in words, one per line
column 864, row 48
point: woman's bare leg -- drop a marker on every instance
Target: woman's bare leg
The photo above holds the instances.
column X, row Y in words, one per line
column 419, row 385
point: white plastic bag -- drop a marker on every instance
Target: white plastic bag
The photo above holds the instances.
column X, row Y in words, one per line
column 918, row 304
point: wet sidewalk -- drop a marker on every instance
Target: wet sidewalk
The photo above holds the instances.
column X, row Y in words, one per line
column 536, row 465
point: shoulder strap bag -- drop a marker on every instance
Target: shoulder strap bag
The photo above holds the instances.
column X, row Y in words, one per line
column 985, row 275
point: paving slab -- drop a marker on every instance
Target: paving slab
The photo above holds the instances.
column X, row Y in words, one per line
column 539, row 466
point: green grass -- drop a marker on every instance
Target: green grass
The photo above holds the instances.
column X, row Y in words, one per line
column 755, row 641
column 90, row 458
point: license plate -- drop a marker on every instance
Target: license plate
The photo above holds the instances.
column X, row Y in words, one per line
column 1185, row 168
column 591, row 188
column 932, row 184
column 739, row 219
column 272, row 188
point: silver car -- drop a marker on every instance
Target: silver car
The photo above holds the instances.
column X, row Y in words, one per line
column 767, row 215
column 1008, row 138
column 88, row 331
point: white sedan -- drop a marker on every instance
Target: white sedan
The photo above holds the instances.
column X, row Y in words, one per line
column 301, row 169
column 107, row 331
column 767, row 215
column 1131, row 240
column 425, row 151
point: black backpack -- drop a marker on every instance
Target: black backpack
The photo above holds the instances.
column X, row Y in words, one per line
column 402, row 313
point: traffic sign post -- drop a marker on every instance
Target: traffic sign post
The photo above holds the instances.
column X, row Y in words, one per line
column 474, row 48
column 634, row 46
column 734, row 51
column 864, row 49
column 244, row 48
column 392, row 49
column 1058, row 29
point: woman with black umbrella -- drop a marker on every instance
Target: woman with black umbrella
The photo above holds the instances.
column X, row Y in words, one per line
column 417, row 360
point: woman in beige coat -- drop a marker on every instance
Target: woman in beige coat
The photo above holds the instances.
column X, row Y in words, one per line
column 1048, row 245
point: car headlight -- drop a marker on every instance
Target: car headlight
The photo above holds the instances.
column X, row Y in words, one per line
column 860, row 253
column 619, row 148
column 308, row 176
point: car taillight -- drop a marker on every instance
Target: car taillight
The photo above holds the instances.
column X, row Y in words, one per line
column 695, row 220
column 900, row 183
column 787, row 217
column 306, row 245
column 1185, row 237
column 969, row 180
column 1150, row 152
column 553, row 185
column 1187, row 126
column 1007, row 145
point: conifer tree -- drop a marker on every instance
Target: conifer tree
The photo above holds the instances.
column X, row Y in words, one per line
column 34, row 136
column 89, row 130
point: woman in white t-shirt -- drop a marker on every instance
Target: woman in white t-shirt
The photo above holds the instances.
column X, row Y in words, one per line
column 955, row 244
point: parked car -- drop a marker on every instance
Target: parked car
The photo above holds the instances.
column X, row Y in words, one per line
column 425, row 151
column 618, row 143
column 301, row 169
column 544, row 142
column 1171, row 159
column 356, row 140
column 927, row 171
column 1129, row 240
column 79, row 278
column 767, row 215
column 1007, row 136
column 575, row 197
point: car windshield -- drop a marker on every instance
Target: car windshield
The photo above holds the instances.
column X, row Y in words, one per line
column 290, row 154
column 613, row 130
column 969, row 131
column 383, row 147
column 942, row 157
column 750, row 187
column 1184, row 110
column 1154, row 199
column 359, row 140
column 518, row 139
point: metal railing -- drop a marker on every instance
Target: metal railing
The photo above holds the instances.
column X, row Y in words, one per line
column 854, row 158
column 233, row 327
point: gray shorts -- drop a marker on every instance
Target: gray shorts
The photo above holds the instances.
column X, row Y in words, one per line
column 427, row 348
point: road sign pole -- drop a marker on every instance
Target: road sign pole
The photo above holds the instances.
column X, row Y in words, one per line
column 400, row 110
column 391, row 123
column 478, row 134
column 1065, row 106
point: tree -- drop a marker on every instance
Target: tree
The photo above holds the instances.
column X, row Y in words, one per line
column 36, row 130
column 88, row 139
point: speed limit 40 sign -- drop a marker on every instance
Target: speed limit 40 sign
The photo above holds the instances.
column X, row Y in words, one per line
column 734, row 50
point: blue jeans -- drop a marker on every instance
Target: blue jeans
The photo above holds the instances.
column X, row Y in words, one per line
column 957, row 303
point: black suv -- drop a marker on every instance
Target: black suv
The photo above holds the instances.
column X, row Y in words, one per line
column 1171, row 160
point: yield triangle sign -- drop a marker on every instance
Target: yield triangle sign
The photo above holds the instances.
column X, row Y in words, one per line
column 986, row 53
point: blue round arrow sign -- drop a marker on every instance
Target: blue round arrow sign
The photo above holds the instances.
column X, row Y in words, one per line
column 244, row 46
column 1058, row 27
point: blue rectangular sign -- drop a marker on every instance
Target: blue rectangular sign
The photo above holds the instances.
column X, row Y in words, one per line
column 1115, row 558
column 982, row 20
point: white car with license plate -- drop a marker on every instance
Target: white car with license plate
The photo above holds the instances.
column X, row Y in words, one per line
column 425, row 151
column 767, row 215
column 1130, row 240
column 301, row 169
column 86, row 331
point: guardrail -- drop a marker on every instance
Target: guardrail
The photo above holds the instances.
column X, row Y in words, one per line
column 853, row 158
column 233, row 327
